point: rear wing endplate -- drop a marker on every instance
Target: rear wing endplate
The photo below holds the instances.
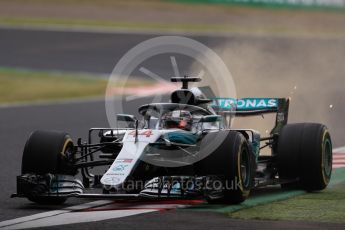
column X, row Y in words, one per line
column 230, row 107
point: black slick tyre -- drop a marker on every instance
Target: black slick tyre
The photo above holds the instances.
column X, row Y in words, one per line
column 232, row 161
column 305, row 154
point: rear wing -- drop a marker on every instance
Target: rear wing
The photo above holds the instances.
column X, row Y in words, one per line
column 230, row 107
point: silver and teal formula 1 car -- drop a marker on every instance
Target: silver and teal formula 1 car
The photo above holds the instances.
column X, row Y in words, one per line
column 185, row 148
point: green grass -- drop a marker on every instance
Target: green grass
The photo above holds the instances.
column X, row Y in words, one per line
column 272, row 203
column 27, row 85
column 325, row 206
column 41, row 21
column 140, row 23
column 157, row 26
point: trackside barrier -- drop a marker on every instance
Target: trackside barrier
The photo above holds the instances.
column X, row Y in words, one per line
column 326, row 4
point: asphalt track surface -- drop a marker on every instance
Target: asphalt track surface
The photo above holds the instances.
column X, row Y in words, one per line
column 69, row 51
column 66, row 51
column 67, row 117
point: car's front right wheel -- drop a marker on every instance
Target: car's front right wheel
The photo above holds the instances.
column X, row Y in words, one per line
column 47, row 152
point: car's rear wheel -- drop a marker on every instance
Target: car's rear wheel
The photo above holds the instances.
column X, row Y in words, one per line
column 232, row 161
column 48, row 152
column 305, row 154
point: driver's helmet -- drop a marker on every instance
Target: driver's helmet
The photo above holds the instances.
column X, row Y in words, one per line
column 178, row 119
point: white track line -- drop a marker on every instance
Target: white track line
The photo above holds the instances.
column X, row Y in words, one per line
column 78, row 217
column 9, row 224
column 88, row 212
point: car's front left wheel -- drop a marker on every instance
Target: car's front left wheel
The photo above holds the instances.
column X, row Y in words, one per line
column 232, row 162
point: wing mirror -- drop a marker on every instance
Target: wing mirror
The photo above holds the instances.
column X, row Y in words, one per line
column 211, row 118
column 126, row 119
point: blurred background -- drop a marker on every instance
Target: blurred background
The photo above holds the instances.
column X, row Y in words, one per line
column 54, row 51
